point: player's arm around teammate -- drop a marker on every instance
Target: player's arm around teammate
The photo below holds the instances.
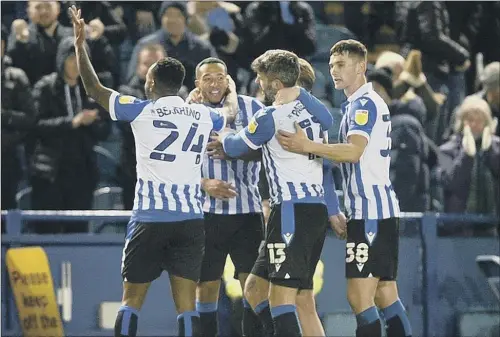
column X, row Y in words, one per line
column 372, row 231
column 151, row 228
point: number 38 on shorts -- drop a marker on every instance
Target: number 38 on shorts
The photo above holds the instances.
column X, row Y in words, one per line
column 356, row 252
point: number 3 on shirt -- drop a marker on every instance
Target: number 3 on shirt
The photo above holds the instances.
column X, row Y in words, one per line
column 159, row 150
column 387, row 151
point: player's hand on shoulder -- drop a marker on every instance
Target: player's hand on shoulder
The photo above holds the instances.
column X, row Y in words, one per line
column 287, row 95
column 215, row 150
column 219, row 189
column 232, row 94
column 293, row 141
column 339, row 225
column 194, row 96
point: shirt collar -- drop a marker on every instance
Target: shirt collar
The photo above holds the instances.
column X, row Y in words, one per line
column 172, row 100
column 360, row 92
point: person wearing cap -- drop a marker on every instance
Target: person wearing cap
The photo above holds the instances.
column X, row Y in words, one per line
column 177, row 40
column 18, row 118
column 490, row 80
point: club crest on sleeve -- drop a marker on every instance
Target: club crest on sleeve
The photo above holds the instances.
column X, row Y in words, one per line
column 252, row 126
column 361, row 117
column 126, row 99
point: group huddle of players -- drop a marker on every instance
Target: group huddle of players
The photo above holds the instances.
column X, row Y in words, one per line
column 197, row 195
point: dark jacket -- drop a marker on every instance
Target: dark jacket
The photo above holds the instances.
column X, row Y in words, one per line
column 115, row 30
column 428, row 30
column 18, row 110
column 456, row 167
column 60, row 149
column 190, row 51
column 411, row 157
column 268, row 31
column 465, row 21
column 37, row 56
column 18, row 115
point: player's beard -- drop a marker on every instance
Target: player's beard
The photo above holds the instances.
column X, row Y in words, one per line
column 270, row 94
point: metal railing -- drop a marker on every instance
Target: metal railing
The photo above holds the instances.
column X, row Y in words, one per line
column 429, row 223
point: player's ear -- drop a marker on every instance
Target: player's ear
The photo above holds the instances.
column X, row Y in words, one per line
column 197, row 83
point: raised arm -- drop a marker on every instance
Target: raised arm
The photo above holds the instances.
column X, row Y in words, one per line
column 91, row 82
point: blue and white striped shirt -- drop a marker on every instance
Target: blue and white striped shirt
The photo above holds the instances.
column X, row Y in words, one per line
column 368, row 193
column 243, row 175
column 170, row 139
column 291, row 176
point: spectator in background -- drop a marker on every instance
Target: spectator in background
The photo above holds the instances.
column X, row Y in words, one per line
column 106, row 31
column 470, row 162
column 465, row 21
column 18, row 117
column 288, row 25
column 490, row 80
column 408, row 80
column 148, row 55
column 33, row 48
column 222, row 24
column 444, row 60
column 178, row 42
column 64, row 165
column 409, row 169
column 102, row 20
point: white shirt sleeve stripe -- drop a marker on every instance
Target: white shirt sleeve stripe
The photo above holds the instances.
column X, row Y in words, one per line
column 249, row 142
column 112, row 100
column 358, row 132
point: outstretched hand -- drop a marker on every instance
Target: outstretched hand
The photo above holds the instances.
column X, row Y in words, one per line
column 78, row 25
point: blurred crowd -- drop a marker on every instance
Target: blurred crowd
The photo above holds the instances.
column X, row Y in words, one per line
column 436, row 64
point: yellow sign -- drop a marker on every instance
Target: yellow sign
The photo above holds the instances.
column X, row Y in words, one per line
column 126, row 99
column 361, row 117
column 33, row 289
column 252, row 126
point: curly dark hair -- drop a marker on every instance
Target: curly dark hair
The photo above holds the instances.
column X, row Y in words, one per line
column 278, row 64
column 169, row 74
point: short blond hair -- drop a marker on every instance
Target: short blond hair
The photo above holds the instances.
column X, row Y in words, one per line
column 307, row 75
column 472, row 103
column 390, row 60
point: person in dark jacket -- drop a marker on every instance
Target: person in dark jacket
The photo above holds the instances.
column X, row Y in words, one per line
column 470, row 162
column 490, row 81
column 33, row 47
column 444, row 59
column 410, row 159
column 177, row 40
column 18, row 118
column 100, row 17
column 288, row 25
column 64, row 165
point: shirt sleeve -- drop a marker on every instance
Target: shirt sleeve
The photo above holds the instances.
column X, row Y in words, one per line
column 316, row 108
column 125, row 108
column 258, row 132
column 362, row 116
column 260, row 129
column 331, row 198
column 218, row 120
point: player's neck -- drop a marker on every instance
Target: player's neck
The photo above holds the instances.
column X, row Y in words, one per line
column 355, row 86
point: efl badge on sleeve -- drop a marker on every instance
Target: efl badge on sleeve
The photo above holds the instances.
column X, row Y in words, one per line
column 252, row 126
column 126, row 99
column 361, row 117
